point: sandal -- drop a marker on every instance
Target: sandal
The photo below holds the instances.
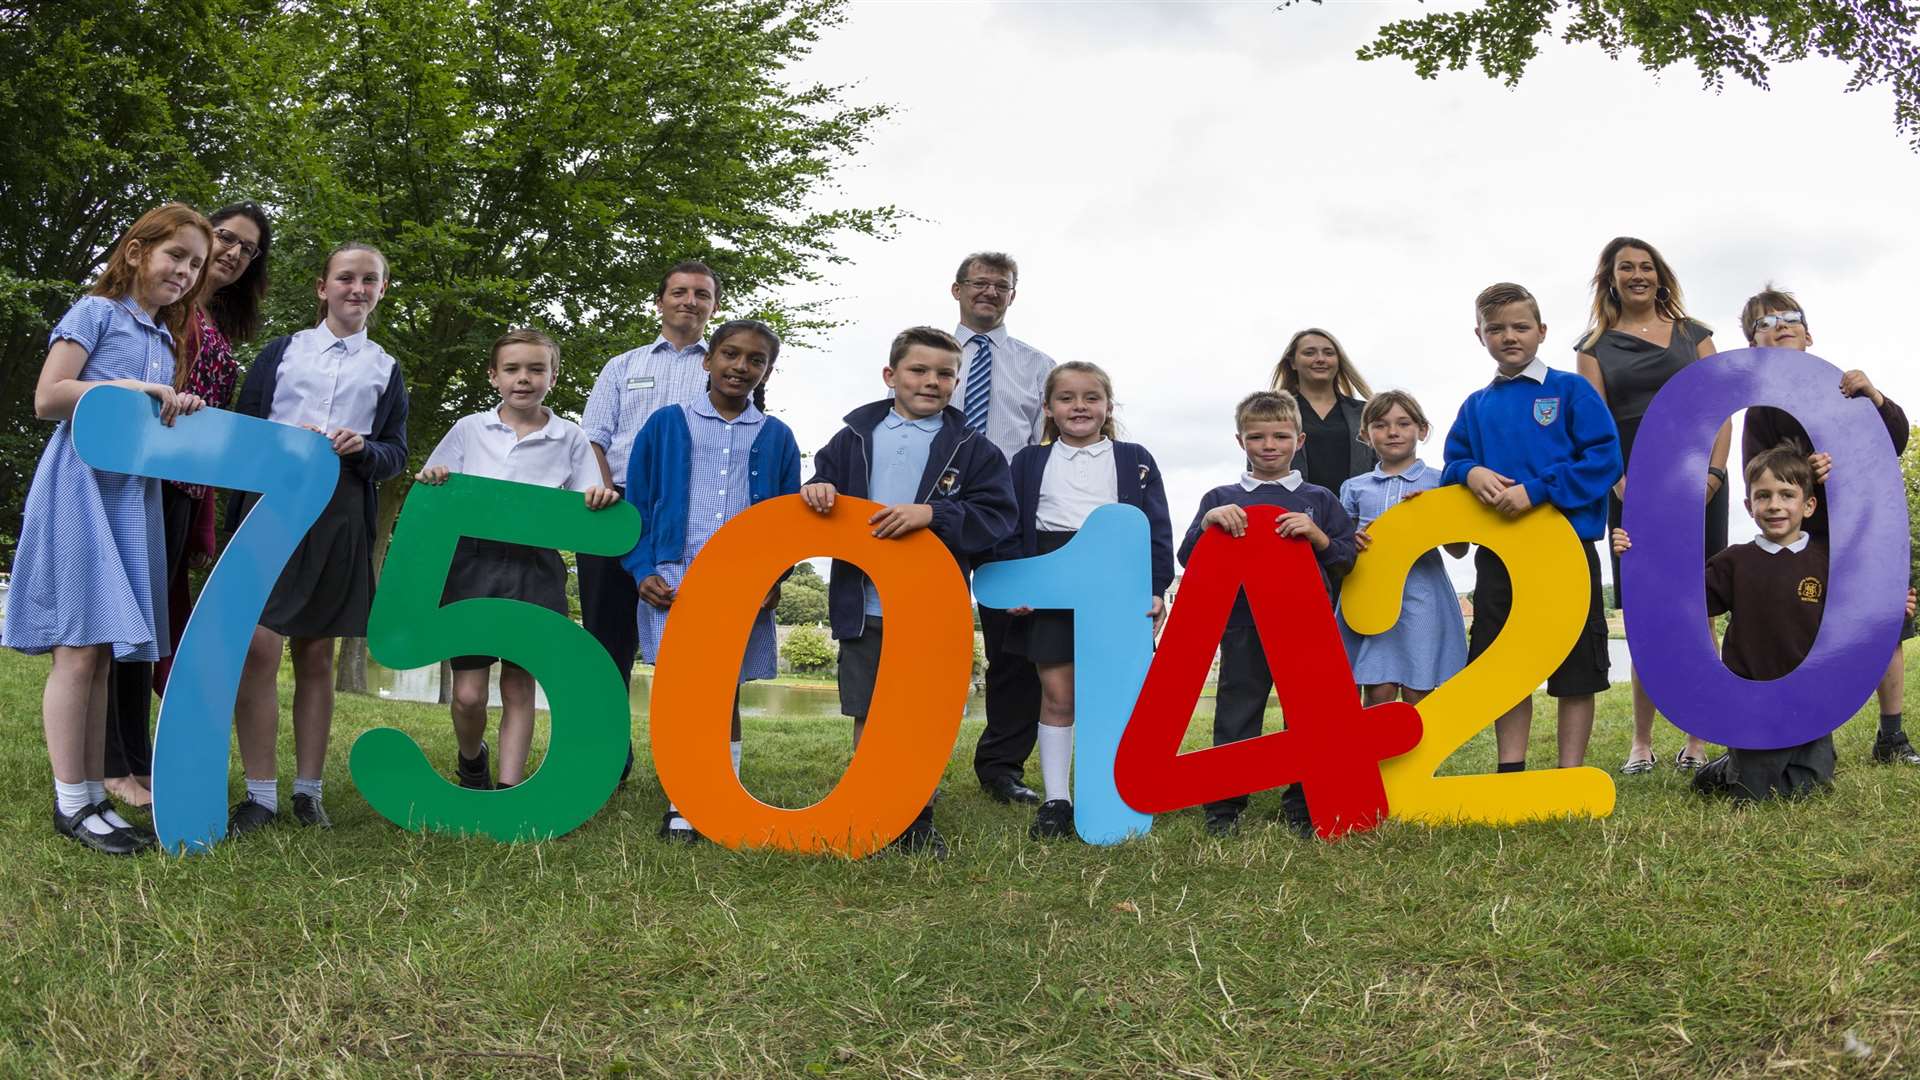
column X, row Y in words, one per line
column 1636, row 766
column 1687, row 763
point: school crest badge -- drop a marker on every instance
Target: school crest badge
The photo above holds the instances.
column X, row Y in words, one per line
column 1809, row 590
column 949, row 482
column 1546, row 410
column 1143, row 474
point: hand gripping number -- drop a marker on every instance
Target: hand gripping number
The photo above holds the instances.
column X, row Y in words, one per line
column 1550, row 595
column 1867, row 584
column 1331, row 745
column 925, row 659
column 408, row 628
column 294, row 470
column 1105, row 576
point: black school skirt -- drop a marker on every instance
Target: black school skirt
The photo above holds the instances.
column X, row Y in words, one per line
column 493, row 568
column 1046, row 636
column 326, row 588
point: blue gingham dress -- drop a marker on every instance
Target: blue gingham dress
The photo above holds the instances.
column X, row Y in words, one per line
column 717, row 478
column 1428, row 645
column 91, row 568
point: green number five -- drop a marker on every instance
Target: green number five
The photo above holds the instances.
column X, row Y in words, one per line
column 408, row 628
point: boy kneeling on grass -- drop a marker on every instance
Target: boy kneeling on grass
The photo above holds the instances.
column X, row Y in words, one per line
column 1774, row 590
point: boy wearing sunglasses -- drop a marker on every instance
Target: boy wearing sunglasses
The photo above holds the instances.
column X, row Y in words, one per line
column 1774, row 319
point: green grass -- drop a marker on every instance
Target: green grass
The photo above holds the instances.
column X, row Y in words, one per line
column 1677, row 938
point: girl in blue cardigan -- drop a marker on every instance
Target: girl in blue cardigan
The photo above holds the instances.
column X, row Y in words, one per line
column 692, row 469
column 1078, row 467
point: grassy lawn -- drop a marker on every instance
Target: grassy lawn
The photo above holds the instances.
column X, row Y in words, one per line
column 1675, row 939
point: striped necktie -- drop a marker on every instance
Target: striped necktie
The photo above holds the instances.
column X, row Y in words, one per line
column 979, row 384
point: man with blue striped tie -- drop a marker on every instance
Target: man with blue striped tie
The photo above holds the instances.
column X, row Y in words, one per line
column 1002, row 382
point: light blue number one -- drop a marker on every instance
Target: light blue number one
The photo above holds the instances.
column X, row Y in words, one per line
column 1105, row 576
column 294, row 470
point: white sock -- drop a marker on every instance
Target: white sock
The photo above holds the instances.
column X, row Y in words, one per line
column 304, row 786
column 678, row 822
column 735, row 747
column 265, row 792
column 73, row 798
column 97, row 794
column 1056, row 761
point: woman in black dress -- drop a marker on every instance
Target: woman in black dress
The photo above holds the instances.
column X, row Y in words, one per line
column 1639, row 336
column 1315, row 369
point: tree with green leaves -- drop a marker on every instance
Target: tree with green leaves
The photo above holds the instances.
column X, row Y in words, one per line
column 1878, row 39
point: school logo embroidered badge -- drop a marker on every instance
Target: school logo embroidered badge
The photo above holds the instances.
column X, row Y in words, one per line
column 1143, row 473
column 1809, row 590
column 1545, row 410
column 949, row 481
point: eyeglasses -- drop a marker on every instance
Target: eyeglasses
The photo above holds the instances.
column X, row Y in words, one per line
column 1778, row 319
column 248, row 248
column 984, row 286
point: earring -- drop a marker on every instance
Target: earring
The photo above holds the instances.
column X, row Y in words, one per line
column 1613, row 294
column 1662, row 294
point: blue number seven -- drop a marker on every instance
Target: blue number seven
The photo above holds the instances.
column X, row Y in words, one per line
column 294, row 470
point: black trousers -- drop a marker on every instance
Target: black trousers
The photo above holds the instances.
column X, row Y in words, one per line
column 1240, row 709
column 1013, row 704
column 609, row 609
column 130, row 683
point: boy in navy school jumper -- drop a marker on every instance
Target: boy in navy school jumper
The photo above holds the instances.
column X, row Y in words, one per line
column 1774, row 591
column 1269, row 434
column 916, row 455
column 1535, row 435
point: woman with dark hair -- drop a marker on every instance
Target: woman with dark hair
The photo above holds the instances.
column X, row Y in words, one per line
column 1316, row 370
column 1639, row 335
column 230, row 313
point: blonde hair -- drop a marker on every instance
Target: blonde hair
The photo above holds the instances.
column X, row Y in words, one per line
column 123, row 271
column 1383, row 402
column 1286, row 377
column 1049, row 431
column 523, row 336
column 1267, row 406
column 1606, row 302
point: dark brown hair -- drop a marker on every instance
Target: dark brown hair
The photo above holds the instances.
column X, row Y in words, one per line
column 688, row 266
column 1767, row 301
column 750, row 326
column 931, row 337
column 235, row 308
column 1381, row 403
column 1787, row 462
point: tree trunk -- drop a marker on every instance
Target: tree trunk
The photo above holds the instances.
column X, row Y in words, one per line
column 446, row 683
column 350, row 666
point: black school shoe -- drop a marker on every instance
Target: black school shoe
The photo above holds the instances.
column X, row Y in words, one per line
column 1223, row 822
column 1894, row 749
column 688, row 835
column 921, row 838
column 475, row 774
column 248, row 816
column 1010, row 790
column 73, row 827
column 1053, row 821
column 142, row 834
column 307, row 810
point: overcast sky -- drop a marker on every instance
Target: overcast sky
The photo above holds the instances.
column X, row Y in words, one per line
column 1185, row 185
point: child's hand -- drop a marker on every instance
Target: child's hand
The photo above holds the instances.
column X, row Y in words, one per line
column 1856, row 383
column 655, row 590
column 1514, row 501
column 433, row 474
column 1301, row 526
column 1361, row 540
column 773, row 598
column 1822, row 465
column 1021, row 610
column 599, row 498
column 900, row 519
column 1620, row 542
column 346, row 443
column 1156, row 610
column 1909, row 603
column 172, row 404
column 1486, row 484
column 818, row 496
column 1229, row 518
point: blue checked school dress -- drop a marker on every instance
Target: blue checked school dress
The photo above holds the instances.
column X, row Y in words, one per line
column 1428, row 645
column 717, row 482
column 91, row 568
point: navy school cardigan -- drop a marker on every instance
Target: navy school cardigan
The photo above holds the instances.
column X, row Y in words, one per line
column 965, row 482
column 1137, row 479
column 384, row 455
column 658, row 482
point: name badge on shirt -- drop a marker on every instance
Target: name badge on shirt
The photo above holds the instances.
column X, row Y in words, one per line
column 640, row 382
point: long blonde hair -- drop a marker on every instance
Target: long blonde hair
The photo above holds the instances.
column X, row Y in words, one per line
column 1606, row 301
column 1286, row 377
column 123, row 271
column 1049, row 431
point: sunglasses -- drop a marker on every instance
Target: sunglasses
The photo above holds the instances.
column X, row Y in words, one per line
column 1778, row 319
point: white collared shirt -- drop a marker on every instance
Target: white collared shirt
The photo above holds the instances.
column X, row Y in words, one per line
column 1537, row 371
column 1772, row 548
column 1291, row 481
column 330, row 382
column 1077, row 481
column 1019, row 382
column 556, row 456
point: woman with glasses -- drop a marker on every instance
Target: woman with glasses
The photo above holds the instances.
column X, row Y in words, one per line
column 1638, row 336
column 1315, row 369
column 229, row 314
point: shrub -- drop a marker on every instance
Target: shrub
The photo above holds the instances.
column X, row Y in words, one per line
column 809, row 650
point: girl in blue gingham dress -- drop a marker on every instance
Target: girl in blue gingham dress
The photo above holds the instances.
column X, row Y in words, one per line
column 693, row 468
column 1428, row 644
column 89, row 577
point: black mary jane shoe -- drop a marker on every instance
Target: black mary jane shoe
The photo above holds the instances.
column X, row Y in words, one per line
column 74, row 827
column 143, row 835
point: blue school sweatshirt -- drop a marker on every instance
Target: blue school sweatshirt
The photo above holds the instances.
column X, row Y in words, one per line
column 1555, row 438
column 1137, row 479
column 657, row 482
column 1316, row 502
column 965, row 482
